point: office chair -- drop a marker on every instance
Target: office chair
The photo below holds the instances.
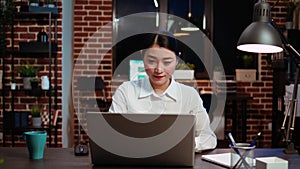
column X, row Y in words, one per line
column 209, row 102
column 92, row 85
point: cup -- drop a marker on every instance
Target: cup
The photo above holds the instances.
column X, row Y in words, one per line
column 242, row 156
column 35, row 141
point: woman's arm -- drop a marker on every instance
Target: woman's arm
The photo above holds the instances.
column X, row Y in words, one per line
column 119, row 101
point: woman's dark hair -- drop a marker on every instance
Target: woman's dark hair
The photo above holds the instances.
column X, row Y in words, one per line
column 163, row 39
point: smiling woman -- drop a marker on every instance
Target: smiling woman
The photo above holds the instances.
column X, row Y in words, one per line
column 159, row 93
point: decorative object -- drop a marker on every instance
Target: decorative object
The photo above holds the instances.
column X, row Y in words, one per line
column 271, row 163
column 264, row 36
column 36, row 116
column 42, row 36
column 13, row 84
column 34, row 2
column 45, row 83
column 50, row 3
column 184, row 71
column 245, row 75
column 27, row 72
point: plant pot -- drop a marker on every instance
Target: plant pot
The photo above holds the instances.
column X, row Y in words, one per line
column 183, row 74
column 245, row 75
column 27, row 83
column 36, row 121
column 218, row 75
column 34, row 85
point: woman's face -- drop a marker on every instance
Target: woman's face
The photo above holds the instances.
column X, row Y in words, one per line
column 160, row 63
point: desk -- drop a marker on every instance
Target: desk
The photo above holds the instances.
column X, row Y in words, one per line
column 243, row 98
column 17, row 158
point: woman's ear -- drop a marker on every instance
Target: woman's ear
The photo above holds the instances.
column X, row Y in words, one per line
column 142, row 53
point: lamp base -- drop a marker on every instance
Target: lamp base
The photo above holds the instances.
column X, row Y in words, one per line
column 290, row 149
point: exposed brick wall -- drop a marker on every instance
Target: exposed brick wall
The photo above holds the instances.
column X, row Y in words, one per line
column 25, row 32
column 92, row 44
column 91, row 15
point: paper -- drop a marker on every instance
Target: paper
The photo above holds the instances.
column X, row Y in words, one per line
column 221, row 159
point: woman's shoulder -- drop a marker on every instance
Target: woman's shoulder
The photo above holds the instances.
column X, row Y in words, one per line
column 185, row 87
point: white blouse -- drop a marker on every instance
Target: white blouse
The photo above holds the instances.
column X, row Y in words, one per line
column 139, row 97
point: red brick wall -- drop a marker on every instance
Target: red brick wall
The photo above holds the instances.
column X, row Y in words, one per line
column 91, row 15
column 92, row 43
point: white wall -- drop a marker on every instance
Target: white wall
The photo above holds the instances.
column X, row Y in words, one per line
column 67, row 62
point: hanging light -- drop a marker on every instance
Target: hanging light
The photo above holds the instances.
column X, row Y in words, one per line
column 189, row 26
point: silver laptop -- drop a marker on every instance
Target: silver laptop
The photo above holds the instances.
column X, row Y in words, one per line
column 141, row 139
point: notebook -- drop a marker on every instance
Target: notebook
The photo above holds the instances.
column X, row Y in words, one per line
column 118, row 139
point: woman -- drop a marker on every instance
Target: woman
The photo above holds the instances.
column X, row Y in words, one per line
column 159, row 93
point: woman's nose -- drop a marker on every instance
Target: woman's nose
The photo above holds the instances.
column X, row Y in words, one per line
column 158, row 68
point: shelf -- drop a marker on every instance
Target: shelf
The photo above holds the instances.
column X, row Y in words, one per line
column 15, row 55
column 37, row 92
column 36, row 47
column 38, row 9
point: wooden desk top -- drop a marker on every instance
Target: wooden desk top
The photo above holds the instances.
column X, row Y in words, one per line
column 64, row 158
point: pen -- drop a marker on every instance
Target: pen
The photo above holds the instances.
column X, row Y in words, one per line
column 254, row 139
column 232, row 142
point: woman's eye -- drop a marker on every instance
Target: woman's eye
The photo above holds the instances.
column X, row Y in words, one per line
column 167, row 63
column 151, row 61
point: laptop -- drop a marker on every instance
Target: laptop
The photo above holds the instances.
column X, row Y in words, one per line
column 118, row 139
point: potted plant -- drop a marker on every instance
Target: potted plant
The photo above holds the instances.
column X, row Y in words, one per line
column 36, row 116
column 290, row 8
column 218, row 73
column 27, row 72
column 184, row 71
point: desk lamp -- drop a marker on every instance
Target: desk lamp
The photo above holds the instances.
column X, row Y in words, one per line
column 264, row 36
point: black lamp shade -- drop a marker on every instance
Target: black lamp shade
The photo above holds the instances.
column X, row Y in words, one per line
column 260, row 36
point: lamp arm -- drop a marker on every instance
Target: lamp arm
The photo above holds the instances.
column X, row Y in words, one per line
column 293, row 109
column 288, row 47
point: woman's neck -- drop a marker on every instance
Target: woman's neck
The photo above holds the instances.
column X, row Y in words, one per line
column 161, row 88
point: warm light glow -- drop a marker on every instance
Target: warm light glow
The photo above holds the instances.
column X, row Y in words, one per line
column 155, row 3
column 181, row 34
column 260, row 48
column 204, row 22
column 194, row 28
